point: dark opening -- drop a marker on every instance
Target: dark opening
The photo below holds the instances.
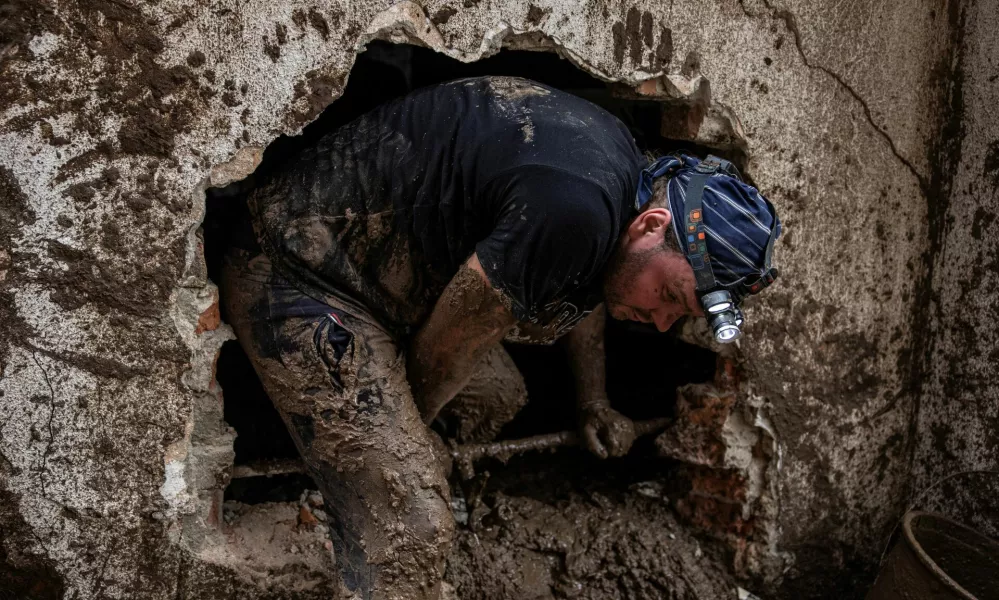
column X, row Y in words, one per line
column 644, row 367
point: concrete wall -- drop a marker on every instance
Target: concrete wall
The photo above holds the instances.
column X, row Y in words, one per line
column 115, row 115
column 959, row 403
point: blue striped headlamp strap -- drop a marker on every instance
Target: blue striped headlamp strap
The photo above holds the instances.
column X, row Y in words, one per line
column 666, row 165
column 697, row 253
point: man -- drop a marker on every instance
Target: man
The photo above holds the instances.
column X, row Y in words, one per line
column 398, row 252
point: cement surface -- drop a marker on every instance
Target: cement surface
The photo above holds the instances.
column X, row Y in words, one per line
column 956, row 466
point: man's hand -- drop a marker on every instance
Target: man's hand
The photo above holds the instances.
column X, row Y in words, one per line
column 605, row 431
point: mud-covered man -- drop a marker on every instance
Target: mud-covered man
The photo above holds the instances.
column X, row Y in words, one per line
column 389, row 261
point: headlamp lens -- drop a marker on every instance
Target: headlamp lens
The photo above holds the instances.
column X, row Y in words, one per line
column 717, row 302
column 720, row 307
column 727, row 334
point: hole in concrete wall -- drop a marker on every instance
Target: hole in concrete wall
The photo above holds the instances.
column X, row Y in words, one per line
column 644, row 367
column 381, row 73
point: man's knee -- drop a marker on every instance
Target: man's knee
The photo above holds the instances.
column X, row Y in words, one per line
column 429, row 521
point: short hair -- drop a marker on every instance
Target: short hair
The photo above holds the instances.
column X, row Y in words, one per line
column 659, row 200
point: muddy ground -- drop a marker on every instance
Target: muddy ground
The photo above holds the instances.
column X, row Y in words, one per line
column 545, row 527
column 567, row 526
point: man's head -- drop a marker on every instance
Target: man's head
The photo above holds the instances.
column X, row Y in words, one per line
column 650, row 279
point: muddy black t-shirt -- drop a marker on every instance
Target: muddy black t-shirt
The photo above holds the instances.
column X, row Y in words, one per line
column 381, row 213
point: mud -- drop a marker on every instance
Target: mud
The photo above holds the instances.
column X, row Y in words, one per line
column 664, row 50
column 279, row 542
column 631, row 34
column 536, row 14
column 635, row 37
column 15, row 212
column 318, row 22
column 566, row 526
column 513, row 89
column 441, row 362
column 23, row 575
column 991, row 167
column 491, row 398
column 81, row 278
column 353, row 419
column 317, row 90
column 442, row 16
column 98, row 365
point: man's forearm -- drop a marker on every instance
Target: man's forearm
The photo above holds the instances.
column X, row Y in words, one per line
column 605, row 431
column 585, row 348
column 467, row 320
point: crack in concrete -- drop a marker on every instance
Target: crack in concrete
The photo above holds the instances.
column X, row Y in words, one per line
column 791, row 24
column 3, row 457
column 102, row 576
column 48, row 445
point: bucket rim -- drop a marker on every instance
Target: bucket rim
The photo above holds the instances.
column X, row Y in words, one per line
column 928, row 562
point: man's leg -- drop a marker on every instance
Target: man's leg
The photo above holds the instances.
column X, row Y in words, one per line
column 491, row 399
column 340, row 386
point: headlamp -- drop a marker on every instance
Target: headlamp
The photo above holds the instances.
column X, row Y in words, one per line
column 725, row 327
column 727, row 333
column 720, row 302
column 723, row 316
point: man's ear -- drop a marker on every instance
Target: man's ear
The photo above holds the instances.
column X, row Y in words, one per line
column 649, row 222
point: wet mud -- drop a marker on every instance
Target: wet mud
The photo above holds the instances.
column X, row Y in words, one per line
column 569, row 526
column 353, row 420
column 284, row 543
column 492, row 398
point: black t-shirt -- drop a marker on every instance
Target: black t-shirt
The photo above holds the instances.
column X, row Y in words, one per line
column 382, row 212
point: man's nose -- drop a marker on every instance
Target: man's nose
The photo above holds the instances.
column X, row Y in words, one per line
column 664, row 319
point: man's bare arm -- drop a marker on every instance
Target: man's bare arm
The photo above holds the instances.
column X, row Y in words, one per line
column 467, row 320
column 605, row 431
column 584, row 345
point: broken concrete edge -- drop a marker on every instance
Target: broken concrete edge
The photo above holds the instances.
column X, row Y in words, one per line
column 196, row 464
column 766, row 560
column 199, row 466
column 729, row 453
column 408, row 23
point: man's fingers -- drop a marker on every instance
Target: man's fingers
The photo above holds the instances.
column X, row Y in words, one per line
column 593, row 441
column 614, row 444
column 617, row 434
column 619, row 444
